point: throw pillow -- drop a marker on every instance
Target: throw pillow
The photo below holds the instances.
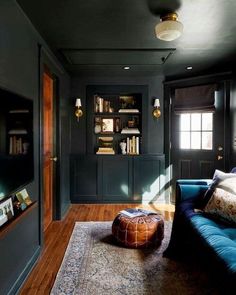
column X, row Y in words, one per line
column 222, row 205
column 218, row 178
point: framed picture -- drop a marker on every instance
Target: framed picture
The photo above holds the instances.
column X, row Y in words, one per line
column 127, row 102
column 107, row 125
column 23, row 198
column 6, row 211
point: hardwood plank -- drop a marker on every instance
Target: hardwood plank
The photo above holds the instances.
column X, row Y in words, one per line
column 57, row 236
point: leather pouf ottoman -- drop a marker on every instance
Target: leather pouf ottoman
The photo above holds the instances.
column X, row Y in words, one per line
column 138, row 232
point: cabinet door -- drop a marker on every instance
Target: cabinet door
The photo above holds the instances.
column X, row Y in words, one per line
column 149, row 179
column 84, row 179
column 116, row 178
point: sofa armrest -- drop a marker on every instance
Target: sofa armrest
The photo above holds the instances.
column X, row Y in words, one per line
column 187, row 191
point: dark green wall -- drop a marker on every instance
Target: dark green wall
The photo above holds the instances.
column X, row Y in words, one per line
column 155, row 127
column 19, row 73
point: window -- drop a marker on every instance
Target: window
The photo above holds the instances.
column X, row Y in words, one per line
column 196, row 131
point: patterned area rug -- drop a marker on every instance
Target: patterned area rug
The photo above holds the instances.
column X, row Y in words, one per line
column 94, row 265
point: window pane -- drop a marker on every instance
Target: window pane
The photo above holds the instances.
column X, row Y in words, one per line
column 185, row 140
column 207, row 140
column 196, row 140
column 184, row 122
column 207, row 120
column 196, row 122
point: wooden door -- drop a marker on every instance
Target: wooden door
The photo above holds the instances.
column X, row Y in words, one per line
column 47, row 148
column 197, row 142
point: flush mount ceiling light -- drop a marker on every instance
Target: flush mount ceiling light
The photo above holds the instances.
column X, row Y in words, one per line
column 169, row 28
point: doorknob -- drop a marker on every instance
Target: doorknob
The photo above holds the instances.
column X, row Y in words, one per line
column 220, row 148
column 54, row 159
column 219, row 157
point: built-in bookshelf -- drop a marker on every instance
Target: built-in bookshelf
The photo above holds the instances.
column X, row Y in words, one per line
column 117, row 124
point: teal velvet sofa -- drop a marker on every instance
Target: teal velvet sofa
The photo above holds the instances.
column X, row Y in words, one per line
column 194, row 233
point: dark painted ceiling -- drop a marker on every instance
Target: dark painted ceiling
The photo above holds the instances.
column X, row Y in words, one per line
column 99, row 37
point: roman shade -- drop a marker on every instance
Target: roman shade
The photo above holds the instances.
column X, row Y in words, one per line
column 195, row 99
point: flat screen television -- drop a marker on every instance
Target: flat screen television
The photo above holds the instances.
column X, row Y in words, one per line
column 16, row 142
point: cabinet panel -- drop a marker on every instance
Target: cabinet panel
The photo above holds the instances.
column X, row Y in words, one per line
column 148, row 177
column 116, row 178
column 84, row 178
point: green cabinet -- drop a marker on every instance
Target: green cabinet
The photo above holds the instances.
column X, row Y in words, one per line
column 148, row 178
column 84, row 178
column 116, row 178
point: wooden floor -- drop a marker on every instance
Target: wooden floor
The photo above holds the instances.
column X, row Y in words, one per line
column 41, row 279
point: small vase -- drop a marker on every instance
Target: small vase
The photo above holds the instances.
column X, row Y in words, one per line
column 97, row 128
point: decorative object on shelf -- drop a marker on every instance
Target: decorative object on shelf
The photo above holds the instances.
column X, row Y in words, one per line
column 25, row 147
column 117, row 125
column 78, row 109
column 123, row 147
column 107, row 125
column 169, row 28
column 131, row 124
column 105, row 146
column 97, row 125
column 157, row 110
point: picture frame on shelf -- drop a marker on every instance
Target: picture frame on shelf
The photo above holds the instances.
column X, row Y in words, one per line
column 6, row 211
column 24, row 199
column 127, row 101
column 107, row 125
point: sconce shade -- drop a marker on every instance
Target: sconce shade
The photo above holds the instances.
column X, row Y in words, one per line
column 156, row 111
column 156, row 103
column 78, row 102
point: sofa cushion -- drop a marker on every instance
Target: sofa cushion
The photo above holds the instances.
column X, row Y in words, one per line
column 222, row 205
column 221, row 239
column 219, row 178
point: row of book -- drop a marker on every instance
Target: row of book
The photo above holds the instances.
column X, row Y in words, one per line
column 102, row 105
column 17, row 146
column 132, row 145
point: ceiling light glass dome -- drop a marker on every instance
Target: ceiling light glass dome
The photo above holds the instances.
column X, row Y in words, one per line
column 169, row 28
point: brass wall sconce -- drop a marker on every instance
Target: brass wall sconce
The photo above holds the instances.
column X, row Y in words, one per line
column 157, row 110
column 78, row 110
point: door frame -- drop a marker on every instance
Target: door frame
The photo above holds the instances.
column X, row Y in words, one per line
column 169, row 88
column 46, row 61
